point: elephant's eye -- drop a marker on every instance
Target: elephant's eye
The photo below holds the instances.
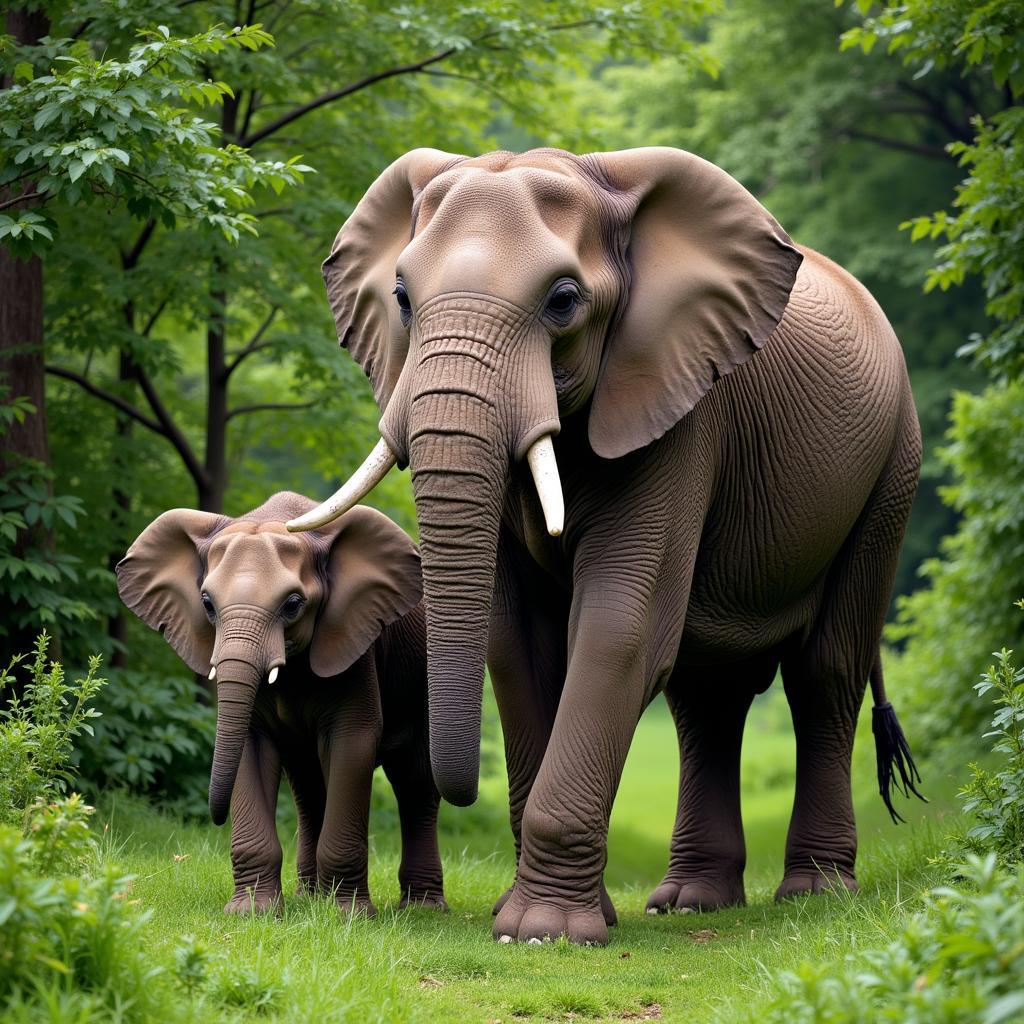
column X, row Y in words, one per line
column 563, row 303
column 404, row 304
column 208, row 607
column 292, row 606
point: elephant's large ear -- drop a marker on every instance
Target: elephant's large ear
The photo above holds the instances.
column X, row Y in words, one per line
column 360, row 271
column 159, row 580
column 374, row 579
column 711, row 276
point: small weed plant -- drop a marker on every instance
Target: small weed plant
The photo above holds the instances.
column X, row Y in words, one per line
column 38, row 730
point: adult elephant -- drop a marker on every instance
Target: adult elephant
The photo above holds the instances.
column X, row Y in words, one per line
column 723, row 514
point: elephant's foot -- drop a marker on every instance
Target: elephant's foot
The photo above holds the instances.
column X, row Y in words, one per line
column 536, row 919
column 808, row 881
column 306, row 885
column 252, row 901
column 355, row 904
column 431, row 897
column 611, row 918
column 696, row 893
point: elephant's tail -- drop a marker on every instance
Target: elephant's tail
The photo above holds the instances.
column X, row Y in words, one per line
column 896, row 768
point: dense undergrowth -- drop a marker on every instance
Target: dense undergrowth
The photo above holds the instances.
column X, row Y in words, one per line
column 120, row 919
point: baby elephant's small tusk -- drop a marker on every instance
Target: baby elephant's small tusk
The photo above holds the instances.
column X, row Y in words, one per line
column 272, row 678
column 213, row 673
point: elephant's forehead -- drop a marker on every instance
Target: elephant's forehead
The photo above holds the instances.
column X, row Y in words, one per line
column 509, row 199
column 251, row 545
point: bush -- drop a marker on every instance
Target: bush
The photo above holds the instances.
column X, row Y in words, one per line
column 967, row 605
column 155, row 738
column 68, row 941
column 38, row 729
column 960, row 958
column 996, row 798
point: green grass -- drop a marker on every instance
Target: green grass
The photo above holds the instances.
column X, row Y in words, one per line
column 313, row 964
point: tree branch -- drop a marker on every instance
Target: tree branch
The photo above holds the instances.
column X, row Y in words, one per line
column 170, row 429
column 25, row 197
column 404, row 69
column 242, row 410
column 918, row 148
column 107, row 396
column 253, row 344
column 154, row 316
column 131, row 258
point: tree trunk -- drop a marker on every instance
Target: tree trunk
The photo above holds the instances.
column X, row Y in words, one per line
column 22, row 356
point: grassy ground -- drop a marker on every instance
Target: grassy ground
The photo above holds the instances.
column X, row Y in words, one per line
column 312, row 964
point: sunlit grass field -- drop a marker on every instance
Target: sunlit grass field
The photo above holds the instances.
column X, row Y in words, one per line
column 313, row 964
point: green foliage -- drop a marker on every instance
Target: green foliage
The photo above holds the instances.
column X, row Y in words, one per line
column 959, row 958
column 68, row 941
column 117, row 131
column 986, row 237
column 34, row 578
column 967, row 603
column 996, row 798
column 38, row 729
column 155, row 738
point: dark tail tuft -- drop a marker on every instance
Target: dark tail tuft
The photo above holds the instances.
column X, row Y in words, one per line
column 893, row 756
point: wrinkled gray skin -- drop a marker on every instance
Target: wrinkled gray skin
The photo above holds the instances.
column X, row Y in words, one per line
column 335, row 617
column 739, row 452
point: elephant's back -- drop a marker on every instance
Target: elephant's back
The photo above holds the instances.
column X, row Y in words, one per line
column 809, row 425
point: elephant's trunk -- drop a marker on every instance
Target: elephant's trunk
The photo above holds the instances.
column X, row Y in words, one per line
column 459, row 480
column 242, row 656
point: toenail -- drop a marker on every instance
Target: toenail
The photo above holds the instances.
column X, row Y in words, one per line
column 652, row 910
column 534, row 941
column 505, row 938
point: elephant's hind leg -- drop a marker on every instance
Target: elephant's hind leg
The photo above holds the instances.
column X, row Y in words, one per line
column 708, row 853
column 825, row 680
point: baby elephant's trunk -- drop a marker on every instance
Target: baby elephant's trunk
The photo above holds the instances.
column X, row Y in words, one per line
column 243, row 655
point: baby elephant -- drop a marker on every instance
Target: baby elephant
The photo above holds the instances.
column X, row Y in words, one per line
column 317, row 644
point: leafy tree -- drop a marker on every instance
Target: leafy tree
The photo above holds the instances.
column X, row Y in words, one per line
column 111, row 132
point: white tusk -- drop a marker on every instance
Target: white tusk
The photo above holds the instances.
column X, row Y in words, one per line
column 544, row 468
column 272, row 678
column 365, row 478
column 213, row 673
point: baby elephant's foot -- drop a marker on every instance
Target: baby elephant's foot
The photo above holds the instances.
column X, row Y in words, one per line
column 252, row 901
column 611, row 918
column 690, row 894
column 432, row 898
column 807, row 881
column 535, row 919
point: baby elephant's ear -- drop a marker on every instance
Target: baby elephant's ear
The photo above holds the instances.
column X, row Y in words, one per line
column 374, row 579
column 711, row 275
column 159, row 580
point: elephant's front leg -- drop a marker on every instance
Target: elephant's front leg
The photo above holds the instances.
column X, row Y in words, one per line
column 558, row 888
column 255, row 848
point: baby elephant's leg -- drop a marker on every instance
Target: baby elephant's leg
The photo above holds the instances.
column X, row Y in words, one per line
column 310, row 796
column 255, row 848
column 341, row 851
column 419, row 874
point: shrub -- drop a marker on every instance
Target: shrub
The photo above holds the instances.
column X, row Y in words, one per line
column 38, row 729
column 996, row 798
column 154, row 738
column 960, row 958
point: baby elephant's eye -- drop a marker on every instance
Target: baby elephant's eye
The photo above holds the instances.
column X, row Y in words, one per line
column 208, row 607
column 292, row 606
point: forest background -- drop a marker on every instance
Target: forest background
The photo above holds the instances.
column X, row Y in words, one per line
column 172, row 173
